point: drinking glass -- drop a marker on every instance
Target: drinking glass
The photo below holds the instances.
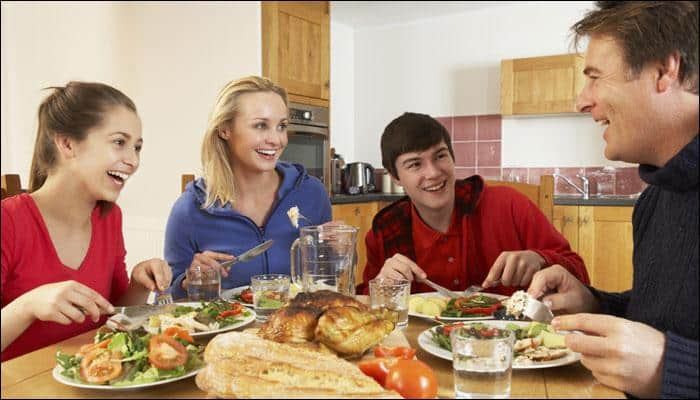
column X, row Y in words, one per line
column 270, row 292
column 391, row 294
column 203, row 283
column 482, row 363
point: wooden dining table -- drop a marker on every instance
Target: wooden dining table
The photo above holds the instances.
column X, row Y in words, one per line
column 30, row 376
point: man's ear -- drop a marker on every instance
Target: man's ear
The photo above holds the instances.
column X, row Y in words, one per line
column 64, row 145
column 668, row 72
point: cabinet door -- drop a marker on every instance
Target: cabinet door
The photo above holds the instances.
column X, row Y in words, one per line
column 541, row 85
column 359, row 215
column 605, row 244
column 296, row 47
column 566, row 219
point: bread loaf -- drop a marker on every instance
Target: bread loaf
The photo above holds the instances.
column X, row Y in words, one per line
column 243, row 365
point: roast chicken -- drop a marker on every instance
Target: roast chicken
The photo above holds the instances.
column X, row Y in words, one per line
column 330, row 319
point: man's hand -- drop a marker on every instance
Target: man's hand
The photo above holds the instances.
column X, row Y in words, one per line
column 401, row 267
column 154, row 274
column 570, row 296
column 622, row 354
column 514, row 268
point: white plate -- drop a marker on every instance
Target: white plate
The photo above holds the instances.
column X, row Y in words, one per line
column 70, row 382
column 425, row 341
column 436, row 294
column 245, row 321
column 229, row 294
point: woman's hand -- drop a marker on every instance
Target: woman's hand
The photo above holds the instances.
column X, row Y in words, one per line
column 622, row 354
column 66, row 302
column 514, row 268
column 210, row 259
column 154, row 274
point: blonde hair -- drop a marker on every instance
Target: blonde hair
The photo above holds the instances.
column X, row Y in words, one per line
column 217, row 168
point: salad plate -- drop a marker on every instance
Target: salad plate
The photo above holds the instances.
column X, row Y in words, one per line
column 426, row 342
column 72, row 382
column 247, row 317
column 429, row 295
column 235, row 295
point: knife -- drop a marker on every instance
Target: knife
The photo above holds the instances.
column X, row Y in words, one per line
column 443, row 291
column 144, row 310
column 250, row 254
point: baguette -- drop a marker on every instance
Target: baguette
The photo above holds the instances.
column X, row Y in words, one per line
column 243, row 365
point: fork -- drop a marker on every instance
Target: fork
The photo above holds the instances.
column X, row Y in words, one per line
column 164, row 297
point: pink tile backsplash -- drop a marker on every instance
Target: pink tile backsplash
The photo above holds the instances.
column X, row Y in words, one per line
column 489, row 173
column 464, row 128
column 602, row 180
column 488, row 127
column 488, row 154
column 461, row 173
column 465, row 154
column 627, row 181
column 447, row 123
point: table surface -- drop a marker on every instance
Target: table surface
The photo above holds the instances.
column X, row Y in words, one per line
column 30, row 376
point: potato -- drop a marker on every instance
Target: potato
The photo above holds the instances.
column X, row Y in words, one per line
column 430, row 308
column 415, row 304
column 553, row 340
column 442, row 303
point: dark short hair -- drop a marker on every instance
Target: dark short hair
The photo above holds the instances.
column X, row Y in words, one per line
column 411, row 132
column 648, row 31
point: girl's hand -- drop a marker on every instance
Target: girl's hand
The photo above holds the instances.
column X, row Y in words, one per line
column 154, row 274
column 210, row 259
column 66, row 302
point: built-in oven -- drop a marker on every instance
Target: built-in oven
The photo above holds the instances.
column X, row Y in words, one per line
column 309, row 141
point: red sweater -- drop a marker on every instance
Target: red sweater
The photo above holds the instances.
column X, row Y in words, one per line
column 29, row 260
column 493, row 219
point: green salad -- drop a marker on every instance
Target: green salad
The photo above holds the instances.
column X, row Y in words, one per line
column 132, row 358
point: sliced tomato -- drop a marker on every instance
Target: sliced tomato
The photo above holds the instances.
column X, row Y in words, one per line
column 84, row 349
column 448, row 328
column 247, row 296
column 407, row 353
column 100, row 365
column 413, row 379
column 164, row 352
column 462, row 305
column 236, row 308
column 377, row 368
column 176, row 331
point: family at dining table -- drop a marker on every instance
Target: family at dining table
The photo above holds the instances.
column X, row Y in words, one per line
column 63, row 253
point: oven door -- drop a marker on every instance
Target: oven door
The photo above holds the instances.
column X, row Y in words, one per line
column 309, row 146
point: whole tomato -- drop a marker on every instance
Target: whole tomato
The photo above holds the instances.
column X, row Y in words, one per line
column 412, row 379
column 377, row 368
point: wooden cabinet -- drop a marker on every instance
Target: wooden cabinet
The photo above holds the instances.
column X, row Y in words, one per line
column 361, row 216
column 541, row 85
column 296, row 48
column 602, row 236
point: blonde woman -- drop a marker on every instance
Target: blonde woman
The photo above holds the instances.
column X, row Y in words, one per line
column 245, row 192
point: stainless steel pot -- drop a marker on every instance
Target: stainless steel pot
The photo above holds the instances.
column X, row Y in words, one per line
column 358, row 178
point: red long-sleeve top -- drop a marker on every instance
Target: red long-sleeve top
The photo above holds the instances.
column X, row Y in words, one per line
column 488, row 220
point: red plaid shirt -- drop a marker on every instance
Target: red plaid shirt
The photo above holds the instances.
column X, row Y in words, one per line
column 490, row 220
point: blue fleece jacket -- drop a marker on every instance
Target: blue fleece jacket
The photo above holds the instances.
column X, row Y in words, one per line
column 191, row 229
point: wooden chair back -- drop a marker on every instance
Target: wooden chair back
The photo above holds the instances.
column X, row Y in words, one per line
column 11, row 185
column 542, row 195
column 184, row 180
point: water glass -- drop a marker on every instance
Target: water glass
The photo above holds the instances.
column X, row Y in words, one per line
column 270, row 292
column 482, row 363
column 391, row 294
column 203, row 283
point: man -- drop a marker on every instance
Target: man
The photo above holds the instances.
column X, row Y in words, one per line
column 456, row 233
column 642, row 70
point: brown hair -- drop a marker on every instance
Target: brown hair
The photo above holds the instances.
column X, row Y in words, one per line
column 648, row 31
column 70, row 111
column 411, row 132
column 217, row 169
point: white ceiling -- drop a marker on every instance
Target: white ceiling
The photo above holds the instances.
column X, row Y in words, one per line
column 368, row 14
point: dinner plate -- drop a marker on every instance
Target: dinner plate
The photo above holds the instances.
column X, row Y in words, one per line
column 245, row 321
column 71, row 382
column 426, row 343
column 229, row 294
column 450, row 319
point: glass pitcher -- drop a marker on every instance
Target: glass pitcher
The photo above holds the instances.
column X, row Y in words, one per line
column 324, row 257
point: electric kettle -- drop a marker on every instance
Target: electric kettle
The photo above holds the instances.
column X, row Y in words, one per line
column 358, row 178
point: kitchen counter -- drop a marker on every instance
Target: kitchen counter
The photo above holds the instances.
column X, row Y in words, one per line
column 611, row 200
column 364, row 198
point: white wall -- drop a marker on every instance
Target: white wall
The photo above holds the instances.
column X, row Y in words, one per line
column 171, row 58
column 342, row 110
column 450, row 65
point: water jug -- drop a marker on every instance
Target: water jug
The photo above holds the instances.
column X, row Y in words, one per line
column 325, row 257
